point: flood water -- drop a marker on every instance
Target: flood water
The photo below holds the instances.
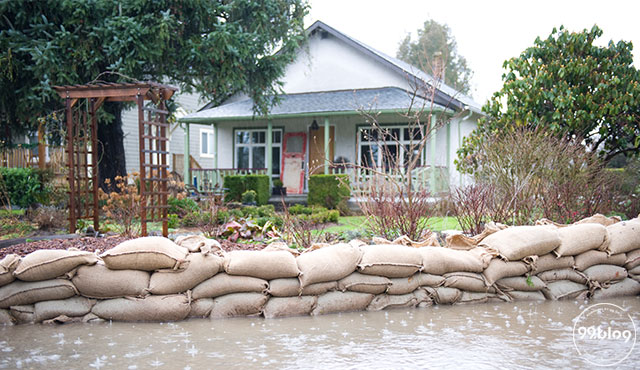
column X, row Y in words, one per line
column 506, row 335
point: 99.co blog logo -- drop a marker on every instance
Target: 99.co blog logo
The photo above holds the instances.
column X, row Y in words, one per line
column 604, row 334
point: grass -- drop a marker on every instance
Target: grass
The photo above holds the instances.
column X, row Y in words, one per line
column 355, row 223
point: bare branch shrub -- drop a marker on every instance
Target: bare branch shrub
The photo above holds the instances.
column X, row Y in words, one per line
column 122, row 203
column 300, row 232
column 213, row 217
column 476, row 205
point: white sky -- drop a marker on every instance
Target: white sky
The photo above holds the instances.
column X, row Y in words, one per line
column 487, row 32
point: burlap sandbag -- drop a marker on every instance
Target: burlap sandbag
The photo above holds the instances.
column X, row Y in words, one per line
column 521, row 283
column 23, row 314
column 430, row 280
column 404, row 285
column 439, row 260
column 223, row 283
column 469, row 281
column 444, row 295
column 289, row 306
column 48, row 264
column 392, row 261
column 290, row 287
column 98, row 281
column 563, row 274
column 499, row 269
column 549, row 262
column 576, row 239
column 261, row 264
column 152, row 308
column 385, row 301
column 565, row 289
column 461, row 241
column 198, row 243
column 623, row 237
column 71, row 307
column 605, row 273
column 330, row 263
column 518, row 295
column 473, row 298
column 591, row 258
column 341, row 302
column 201, row 307
column 627, row 287
column 146, row 254
column 238, row 304
column 634, row 271
column 6, row 318
column 24, row 293
column 599, row 219
column 200, row 267
column 7, row 266
column 633, row 259
column 517, row 242
column 357, row 282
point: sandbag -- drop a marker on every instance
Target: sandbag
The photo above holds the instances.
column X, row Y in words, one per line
column 469, row 281
column 599, row 219
column 98, row 281
column 404, row 285
column 605, row 273
column 634, row 271
column 623, row 237
column 290, row 287
column 392, row 261
column 473, row 298
column 238, row 304
column 7, row 266
column 290, row 306
column 549, row 262
column 200, row 267
column 24, row 293
column 23, row 314
column 385, row 301
column 627, row 287
column 222, row 284
column 590, row 258
column 147, row 254
column 576, row 239
column 264, row 265
column 46, row 264
column 430, row 280
column 201, row 307
column 633, row 259
column 565, row 289
column 6, row 318
column 357, row 282
column 518, row 295
column 563, row 274
column 71, row 307
column 341, row 302
column 444, row 295
column 521, row 283
column 515, row 243
column 499, row 269
column 152, row 308
column 198, row 243
column 439, row 260
column 330, row 263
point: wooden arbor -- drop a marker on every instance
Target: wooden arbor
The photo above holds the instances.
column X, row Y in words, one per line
column 82, row 144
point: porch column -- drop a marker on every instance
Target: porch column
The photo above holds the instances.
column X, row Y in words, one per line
column 186, row 156
column 269, row 153
column 448, row 151
column 432, row 178
column 326, row 146
column 215, row 145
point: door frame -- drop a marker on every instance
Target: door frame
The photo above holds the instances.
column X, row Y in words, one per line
column 300, row 155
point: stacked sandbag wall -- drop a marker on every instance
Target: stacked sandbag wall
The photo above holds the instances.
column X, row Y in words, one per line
column 155, row 279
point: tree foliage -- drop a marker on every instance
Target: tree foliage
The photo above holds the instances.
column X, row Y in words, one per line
column 570, row 87
column 436, row 38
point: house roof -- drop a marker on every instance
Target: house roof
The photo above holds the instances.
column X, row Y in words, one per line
column 385, row 99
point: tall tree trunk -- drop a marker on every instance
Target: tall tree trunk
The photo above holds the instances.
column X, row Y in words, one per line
column 111, row 147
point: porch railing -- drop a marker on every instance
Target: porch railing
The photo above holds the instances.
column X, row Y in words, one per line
column 364, row 179
column 211, row 180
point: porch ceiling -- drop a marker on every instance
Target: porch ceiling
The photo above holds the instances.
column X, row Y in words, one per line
column 344, row 102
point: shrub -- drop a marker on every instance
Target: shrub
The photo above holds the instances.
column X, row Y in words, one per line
column 627, row 188
column 23, row 186
column 236, row 185
column 181, row 206
column 48, row 218
column 173, row 221
column 249, row 197
column 122, row 203
column 330, row 191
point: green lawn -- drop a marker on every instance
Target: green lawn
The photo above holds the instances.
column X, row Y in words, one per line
column 354, row 223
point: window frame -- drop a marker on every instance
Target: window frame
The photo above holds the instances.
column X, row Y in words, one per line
column 402, row 143
column 210, row 142
column 252, row 145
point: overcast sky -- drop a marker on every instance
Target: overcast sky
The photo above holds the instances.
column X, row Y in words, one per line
column 487, row 32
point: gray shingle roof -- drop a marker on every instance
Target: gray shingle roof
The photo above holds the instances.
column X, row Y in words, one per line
column 348, row 101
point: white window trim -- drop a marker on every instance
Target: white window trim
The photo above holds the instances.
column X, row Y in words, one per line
column 210, row 134
column 379, row 161
column 250, row 145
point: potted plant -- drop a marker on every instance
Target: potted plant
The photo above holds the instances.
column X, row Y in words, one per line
column 278, row 189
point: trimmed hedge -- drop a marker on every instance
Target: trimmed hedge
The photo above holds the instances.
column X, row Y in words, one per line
column 24, row 186
column 235, row 185
column 330, row 191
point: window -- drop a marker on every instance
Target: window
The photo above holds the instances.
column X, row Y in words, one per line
column 206, row 143
column 381, row 147
column 251, row 149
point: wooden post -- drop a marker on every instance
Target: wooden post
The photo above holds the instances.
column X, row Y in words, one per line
column 42, row 154
column 94, row 163
column 163, row 170
column 143, row 197
column 71, row 175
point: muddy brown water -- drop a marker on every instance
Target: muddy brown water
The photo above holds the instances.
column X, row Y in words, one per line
column 505, row 335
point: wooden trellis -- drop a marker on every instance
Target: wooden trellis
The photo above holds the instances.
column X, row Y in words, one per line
column 82, row 144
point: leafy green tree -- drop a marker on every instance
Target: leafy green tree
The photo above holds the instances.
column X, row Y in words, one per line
column 571, row 88
column 214, row 47
column 435, row 41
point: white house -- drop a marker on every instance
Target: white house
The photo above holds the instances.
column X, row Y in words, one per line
column 319, row 117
